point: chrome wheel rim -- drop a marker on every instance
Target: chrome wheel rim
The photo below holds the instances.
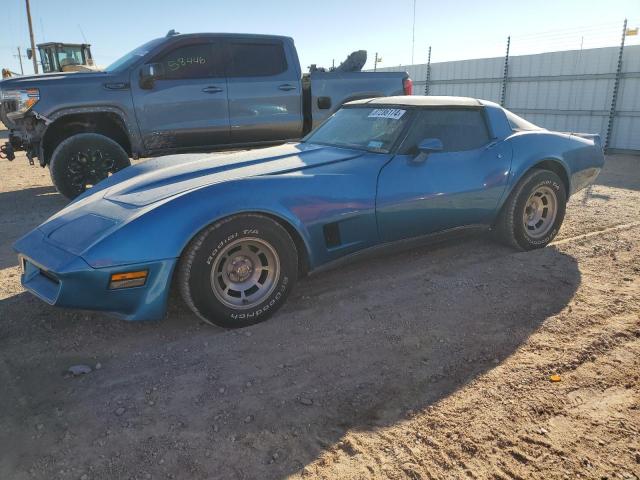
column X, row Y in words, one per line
column 88, row 168
column 245, row 273
column 540, row 212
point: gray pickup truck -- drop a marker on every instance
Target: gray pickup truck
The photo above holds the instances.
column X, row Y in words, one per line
column 194, row 92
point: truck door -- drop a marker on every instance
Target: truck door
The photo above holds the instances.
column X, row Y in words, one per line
column 265, row 96
column 187, row 107
column 458, row 186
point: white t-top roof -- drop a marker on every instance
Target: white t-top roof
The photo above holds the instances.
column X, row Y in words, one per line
column 422, row 101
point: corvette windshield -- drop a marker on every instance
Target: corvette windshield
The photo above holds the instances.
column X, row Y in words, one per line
column 373, row 129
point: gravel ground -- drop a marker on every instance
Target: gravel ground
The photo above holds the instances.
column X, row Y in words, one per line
column 431, row 363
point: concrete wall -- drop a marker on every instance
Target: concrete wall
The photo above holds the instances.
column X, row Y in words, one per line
column 565, row 91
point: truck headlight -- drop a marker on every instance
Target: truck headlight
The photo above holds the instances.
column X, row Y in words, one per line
column 23, row 100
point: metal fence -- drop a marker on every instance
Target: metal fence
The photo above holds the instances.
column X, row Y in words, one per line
column 571, row 90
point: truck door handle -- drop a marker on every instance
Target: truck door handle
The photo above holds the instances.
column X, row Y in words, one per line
column 286, row 87
column 211, row 89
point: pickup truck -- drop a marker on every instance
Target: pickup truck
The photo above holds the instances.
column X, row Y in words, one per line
column 179, row 93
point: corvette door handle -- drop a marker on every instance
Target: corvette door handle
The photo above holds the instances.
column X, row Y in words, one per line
column 211, row 89
column 286, row 87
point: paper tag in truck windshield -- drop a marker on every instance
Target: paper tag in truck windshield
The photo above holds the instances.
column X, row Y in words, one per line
column 394, row 113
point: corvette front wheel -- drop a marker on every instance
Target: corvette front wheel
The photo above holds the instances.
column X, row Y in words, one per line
column 238, row 271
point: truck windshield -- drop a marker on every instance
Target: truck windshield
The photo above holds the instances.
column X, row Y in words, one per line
column 125, row 61
column 374, row 129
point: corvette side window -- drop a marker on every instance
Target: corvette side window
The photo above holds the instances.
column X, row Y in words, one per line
column 457, row 129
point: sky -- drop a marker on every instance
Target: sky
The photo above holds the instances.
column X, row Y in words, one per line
column 327, row 30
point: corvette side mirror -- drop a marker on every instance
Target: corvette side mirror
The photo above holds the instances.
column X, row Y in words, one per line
column 427, row 146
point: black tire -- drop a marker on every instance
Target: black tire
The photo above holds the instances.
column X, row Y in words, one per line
column 209, row 260
column 511, row 226
column 83, row 160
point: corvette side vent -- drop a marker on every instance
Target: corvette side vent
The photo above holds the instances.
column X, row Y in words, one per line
column 332, row 235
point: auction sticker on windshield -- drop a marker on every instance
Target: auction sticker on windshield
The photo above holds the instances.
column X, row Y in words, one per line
column 394, row 113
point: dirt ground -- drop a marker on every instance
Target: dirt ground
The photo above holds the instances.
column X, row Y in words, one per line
column 431, row 363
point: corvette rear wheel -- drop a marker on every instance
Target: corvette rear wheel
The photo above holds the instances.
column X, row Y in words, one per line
column 534, row 212
column 238, row 271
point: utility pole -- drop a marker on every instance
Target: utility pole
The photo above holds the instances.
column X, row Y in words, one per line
column 20, row 58
column 375, row 62
column 33, row 42
column 413, row 32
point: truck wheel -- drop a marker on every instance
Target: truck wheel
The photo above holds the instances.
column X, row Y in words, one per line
column 533, row 213
column 83, row 160
column 238, row 271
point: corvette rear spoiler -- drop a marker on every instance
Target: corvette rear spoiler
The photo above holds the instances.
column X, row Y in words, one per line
column 594, row 137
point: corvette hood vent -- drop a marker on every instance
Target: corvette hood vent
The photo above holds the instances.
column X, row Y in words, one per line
column 168, row 176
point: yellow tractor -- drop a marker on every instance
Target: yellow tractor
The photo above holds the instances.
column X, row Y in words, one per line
column 64, row 57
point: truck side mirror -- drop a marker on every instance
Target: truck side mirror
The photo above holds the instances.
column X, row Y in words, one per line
column 427, row 146
column 149, row 73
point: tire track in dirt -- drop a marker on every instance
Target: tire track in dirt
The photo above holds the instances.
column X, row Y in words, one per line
column 599, row 341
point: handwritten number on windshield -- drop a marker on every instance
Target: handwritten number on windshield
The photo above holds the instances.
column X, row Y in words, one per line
column 183, row 62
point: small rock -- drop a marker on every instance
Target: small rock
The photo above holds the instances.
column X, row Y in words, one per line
column 247, row 334
column 151, row 403
column 305, row 401
column 76, row 370
column 40, row 426
column 637, row 457
column 222, row 389
column 119, row 411
column 543, row 431
column 98, row 366
column 84, row 477
column 248, row 419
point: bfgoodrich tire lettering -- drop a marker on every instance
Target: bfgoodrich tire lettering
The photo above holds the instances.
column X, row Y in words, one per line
column 533, row 213
column 238, row 271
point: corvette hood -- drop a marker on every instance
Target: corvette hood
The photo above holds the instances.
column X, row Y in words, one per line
column 168, row 176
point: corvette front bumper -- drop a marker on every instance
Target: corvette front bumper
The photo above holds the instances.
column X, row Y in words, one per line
column 66, row 280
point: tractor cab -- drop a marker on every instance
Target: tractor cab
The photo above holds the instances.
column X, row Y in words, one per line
column 64, row 57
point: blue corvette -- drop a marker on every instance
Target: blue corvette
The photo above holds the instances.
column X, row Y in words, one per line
column 233, row 232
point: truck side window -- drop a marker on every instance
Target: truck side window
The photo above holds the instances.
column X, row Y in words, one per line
column 192, row 61
column 457, row 129
column 256, row 59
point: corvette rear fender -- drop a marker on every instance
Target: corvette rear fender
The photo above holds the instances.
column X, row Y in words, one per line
column 555, row 152
column 553, row 163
